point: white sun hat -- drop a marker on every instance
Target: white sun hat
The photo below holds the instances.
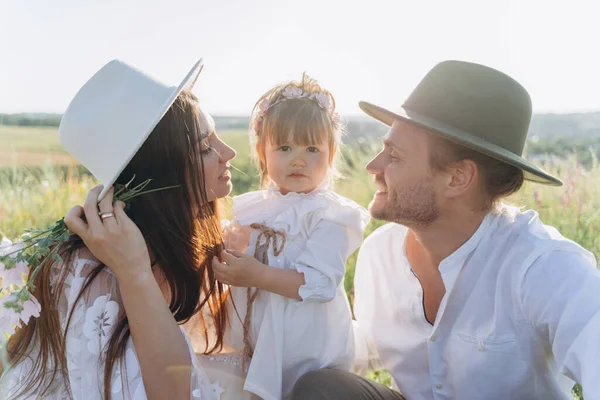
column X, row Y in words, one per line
column 113, row 114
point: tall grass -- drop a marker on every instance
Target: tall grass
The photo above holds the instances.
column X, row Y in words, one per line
column 36, row 197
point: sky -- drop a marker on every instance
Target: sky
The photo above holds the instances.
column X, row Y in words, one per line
column 375, row 50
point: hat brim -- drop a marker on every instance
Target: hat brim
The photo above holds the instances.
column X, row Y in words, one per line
column 530, row 171
column 187, row 83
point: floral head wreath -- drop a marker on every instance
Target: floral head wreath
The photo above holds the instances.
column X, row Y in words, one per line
column 290, row 93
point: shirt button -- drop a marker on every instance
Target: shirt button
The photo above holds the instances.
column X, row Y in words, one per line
column 433, row 338
column 439, row 386
column 418, row 293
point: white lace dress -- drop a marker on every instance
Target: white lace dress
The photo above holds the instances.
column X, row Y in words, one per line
column 291, row 337
column 93, row 321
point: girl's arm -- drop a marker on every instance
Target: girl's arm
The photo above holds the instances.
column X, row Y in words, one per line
column 243, row 270
column 317, row 272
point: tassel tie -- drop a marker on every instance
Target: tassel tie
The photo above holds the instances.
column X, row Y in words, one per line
column 272, row 237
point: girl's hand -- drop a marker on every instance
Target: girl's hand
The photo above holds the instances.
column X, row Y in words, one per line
column 114, row 240
column 237, row 237
column 238, row 269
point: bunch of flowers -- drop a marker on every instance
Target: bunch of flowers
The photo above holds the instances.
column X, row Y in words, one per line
column 30, row 254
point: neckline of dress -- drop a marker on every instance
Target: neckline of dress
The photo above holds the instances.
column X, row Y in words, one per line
column 322, row 188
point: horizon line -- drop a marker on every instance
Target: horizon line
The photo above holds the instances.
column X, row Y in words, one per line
column 350, row 114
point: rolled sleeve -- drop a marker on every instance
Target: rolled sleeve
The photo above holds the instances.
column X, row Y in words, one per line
column 323, row 262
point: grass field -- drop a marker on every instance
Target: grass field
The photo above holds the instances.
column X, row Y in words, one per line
column 39, row 182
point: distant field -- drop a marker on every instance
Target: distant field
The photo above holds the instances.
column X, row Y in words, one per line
column 42, row 182
column 27, row 146
column 36, row 146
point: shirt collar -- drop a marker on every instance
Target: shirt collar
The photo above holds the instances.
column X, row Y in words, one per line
column 458, row 257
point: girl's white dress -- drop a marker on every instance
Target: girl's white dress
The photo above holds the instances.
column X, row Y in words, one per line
column 291, row 337
column 93, row 321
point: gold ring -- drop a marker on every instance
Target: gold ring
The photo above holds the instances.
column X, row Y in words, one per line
column 106, row 215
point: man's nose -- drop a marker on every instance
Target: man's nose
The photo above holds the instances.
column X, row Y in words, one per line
column 374, row 166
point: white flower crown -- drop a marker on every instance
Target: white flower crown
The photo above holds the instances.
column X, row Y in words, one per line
column 290, row 93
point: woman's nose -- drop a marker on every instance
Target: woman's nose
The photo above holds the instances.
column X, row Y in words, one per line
column 227, row 153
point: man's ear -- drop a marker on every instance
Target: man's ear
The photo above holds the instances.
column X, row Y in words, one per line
column 462, row 177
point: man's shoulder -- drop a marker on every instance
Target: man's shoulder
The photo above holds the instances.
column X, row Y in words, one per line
column 527, row 226
column 528, row 240
column 386, row 233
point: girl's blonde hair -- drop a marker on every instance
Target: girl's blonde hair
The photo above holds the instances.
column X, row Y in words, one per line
column 301, row 113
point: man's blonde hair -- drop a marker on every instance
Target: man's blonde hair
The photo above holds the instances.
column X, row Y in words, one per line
column 498, row 179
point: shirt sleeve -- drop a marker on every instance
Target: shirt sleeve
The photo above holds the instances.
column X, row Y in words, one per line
column 560, row 295
column 323, row 262
column 94, row 319
column 365, row 285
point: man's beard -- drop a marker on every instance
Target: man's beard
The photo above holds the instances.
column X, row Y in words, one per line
column 414, row 206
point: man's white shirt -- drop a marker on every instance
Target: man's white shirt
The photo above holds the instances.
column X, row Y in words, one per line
column 520, row 318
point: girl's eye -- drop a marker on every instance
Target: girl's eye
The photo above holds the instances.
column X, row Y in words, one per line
column 313, row 149
column 285, row 148
column 206, row 151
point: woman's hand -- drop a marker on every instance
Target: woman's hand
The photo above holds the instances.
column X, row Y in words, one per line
column 237, row 237
column 115, row 239
column 242, row 270
column 239, row 269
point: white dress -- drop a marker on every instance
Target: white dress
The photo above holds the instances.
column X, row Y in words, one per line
column 291, row 337
column 93, row 321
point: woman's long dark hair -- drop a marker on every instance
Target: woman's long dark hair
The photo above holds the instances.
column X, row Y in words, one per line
column 182, row 230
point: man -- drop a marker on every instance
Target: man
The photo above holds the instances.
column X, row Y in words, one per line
column 464, row 296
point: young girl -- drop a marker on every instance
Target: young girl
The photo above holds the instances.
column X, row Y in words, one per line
column 297, row 237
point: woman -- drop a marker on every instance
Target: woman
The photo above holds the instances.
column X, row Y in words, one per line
column 109, row 326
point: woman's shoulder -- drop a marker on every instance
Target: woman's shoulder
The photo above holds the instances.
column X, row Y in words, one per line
column 76, row 259
column 74, row 268
column 84, row 254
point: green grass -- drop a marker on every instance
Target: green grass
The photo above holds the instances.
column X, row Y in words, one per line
column 35, row 196
column 30, row 139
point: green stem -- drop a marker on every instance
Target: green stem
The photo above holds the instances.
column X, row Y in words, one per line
column 29, row 239
column 132, row 196
column 124, row 187
column 57, row 230
column 38, row 267
column 238, row 170
column 21, row 250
